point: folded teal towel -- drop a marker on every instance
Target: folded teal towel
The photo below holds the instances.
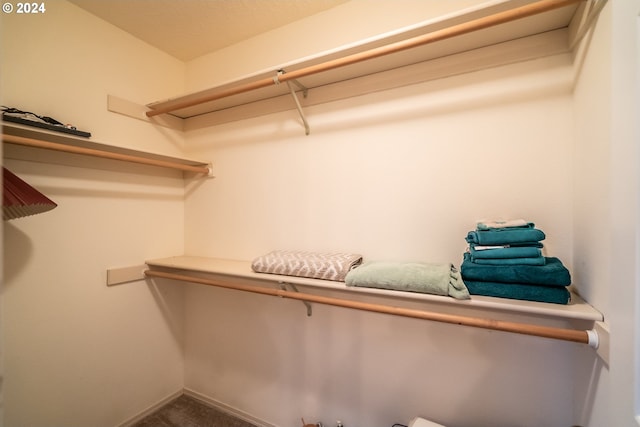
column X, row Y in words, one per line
column 505, row 252
column 552, row 273
column 437, row 279
column 553, row 294
column 536, row 261
column 505, row 236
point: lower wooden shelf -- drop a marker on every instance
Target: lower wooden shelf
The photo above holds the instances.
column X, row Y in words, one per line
column 577, row 314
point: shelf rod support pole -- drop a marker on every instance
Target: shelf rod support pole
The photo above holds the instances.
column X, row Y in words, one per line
column 299, row 108
column 589, row 337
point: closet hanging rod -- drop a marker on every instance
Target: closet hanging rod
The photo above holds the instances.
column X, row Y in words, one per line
column 589, row 337
column 30, row 142
column 431, row 37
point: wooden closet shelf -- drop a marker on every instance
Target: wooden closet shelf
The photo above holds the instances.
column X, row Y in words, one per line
column 467, row 30
column 229, row 270
column 41, row 139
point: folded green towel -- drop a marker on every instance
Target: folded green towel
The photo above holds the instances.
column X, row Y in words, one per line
column 552, row 273
column 437, row 279
column 505, row 236
column 553, row 294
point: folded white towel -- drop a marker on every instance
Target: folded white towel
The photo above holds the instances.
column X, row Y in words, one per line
column 487, row 224
column 327, row 266
column 487, row 248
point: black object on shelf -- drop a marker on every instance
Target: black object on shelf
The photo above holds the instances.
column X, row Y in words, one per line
column 30, row 119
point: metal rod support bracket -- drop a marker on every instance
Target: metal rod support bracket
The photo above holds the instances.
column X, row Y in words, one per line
column 299, row 107
column 283, row 286
column 303, row 88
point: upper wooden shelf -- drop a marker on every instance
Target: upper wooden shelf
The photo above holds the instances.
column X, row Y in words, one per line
column 35, row 138
column 491, row 24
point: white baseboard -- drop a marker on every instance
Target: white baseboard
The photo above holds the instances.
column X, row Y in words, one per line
column 131, row 421
column 228, row 409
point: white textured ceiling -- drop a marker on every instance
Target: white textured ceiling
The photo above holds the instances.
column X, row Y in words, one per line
column 187, row 29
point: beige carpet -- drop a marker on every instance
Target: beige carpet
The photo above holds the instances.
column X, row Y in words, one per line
column 186, row 411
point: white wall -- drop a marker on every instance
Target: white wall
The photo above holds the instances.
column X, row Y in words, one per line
column 76, row 352
column 379, row 170
column 339, row 26
column 624, row 275
column 592, row 208
column 606, row 208
column 399, row 175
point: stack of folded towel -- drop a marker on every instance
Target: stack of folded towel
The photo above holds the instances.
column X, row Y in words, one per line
column 505, row 260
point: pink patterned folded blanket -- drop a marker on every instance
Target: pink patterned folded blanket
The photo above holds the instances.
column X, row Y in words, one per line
column 327, row 266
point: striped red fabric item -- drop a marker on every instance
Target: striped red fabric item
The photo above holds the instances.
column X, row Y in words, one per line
column 19, row 199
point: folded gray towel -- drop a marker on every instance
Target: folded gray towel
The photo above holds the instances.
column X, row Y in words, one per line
column 327, row 266
column 437, row 279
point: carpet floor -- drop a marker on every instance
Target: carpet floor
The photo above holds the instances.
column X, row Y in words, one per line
column 186, row 411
